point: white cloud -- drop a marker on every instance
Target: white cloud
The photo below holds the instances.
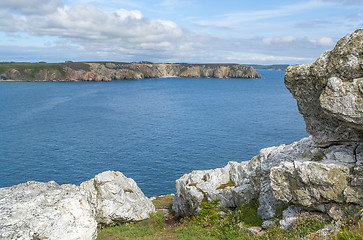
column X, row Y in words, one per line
column 326, row 41
column 86, row 32
column 278, row 40
column 123, row 14
column 31, row 6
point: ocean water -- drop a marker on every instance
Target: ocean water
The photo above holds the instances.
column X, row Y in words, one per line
column 153, row 131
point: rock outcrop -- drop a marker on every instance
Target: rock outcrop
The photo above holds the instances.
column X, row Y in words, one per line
column 116, row 199
column 109, row 71
column 36, row 210
column 322, row 173
column 329, row 92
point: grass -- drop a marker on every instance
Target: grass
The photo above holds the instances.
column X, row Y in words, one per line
column 137, row 230
column 164, row 202
column 31, row 71
column 211, row 225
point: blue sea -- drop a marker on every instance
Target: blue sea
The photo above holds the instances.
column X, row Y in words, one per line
column 153, row 130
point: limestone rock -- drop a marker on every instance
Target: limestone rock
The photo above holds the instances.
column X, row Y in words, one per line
column 320, row 179
column 329, row 92
column 35, row 210
column 234, row 185
column 319, row 173
column 115, row 198
column 267, row 224
column 251, row 180
column 289, row 217
column 301, row 173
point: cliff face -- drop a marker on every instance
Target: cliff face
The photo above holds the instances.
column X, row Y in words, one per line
column 329, row 92
column 108, row 71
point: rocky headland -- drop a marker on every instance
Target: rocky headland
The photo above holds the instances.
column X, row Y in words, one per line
column 321, row 174
column 109, row 71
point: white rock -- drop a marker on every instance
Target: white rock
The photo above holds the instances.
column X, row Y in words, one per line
column 115, row 198
column 268, row 223
column 35, row 210
column 289, row 217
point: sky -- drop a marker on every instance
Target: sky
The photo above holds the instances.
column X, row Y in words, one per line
column 174, row 31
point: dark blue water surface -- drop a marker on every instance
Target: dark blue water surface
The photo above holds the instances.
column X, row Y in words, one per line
column 153, row 131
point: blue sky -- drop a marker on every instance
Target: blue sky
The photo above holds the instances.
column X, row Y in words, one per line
column 194, row 31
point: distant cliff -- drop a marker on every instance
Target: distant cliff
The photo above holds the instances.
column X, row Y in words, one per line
column 108, row 71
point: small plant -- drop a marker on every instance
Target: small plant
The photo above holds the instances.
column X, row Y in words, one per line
column 208, row 212
column 307, row 224
column 128, row 190
column 347, row 235
column 248, row 214
column 317, row 157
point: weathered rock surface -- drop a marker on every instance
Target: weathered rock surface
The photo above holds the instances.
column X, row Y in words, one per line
column 115, row 199
column 302, row 173
column 36, row 210
column 108, row 71
column 321, row 173
column 329, row 92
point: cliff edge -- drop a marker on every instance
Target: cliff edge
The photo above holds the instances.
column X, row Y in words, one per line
column 109, row 71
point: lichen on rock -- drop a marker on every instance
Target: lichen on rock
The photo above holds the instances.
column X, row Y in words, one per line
column 329, row 92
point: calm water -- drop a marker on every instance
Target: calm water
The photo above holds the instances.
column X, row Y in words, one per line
column 153, row 131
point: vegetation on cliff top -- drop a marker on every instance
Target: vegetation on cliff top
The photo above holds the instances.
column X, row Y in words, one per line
column 97, row 71
column 239, row 223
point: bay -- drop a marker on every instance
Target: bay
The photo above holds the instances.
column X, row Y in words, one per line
column 153, row 130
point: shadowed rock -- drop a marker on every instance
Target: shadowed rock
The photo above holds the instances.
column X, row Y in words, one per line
column 329, row 92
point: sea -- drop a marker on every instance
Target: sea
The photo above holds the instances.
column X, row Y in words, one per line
column 152, row 130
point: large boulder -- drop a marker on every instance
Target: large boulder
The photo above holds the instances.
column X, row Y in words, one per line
column 329, row 92
column 116, row 199
column 36, row 210
column 233, row 185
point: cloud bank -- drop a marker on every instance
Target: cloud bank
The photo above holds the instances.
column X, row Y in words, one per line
column 86, row 32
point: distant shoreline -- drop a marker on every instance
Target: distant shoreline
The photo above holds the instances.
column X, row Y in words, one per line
column 110, row 71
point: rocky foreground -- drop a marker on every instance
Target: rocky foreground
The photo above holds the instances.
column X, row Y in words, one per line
column 321, row 174
column 109, row 71
column 36, row 210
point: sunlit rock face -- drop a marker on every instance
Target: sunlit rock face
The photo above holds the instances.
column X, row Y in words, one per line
column 109, row 71
column 36, row 210
column 321, row 173
column 329, row 92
